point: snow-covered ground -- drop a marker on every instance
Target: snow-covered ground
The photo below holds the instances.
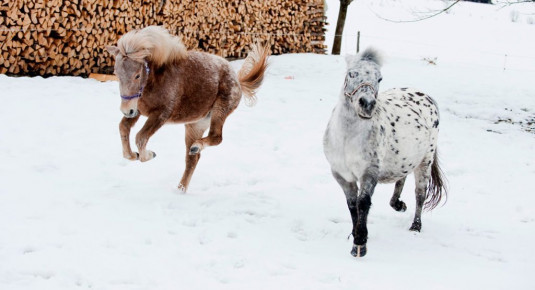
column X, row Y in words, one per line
column 469, row 34
column 263, row 211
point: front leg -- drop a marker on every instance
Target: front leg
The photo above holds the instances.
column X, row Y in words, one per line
column 124, row 129
column 150, row 127
column 364, row 202
column 351, row 191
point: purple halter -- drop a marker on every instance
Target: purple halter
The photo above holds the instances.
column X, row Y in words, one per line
column 138, row 95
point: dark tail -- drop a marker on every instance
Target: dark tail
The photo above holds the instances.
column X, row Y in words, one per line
column 252, row 72
column 436, row 189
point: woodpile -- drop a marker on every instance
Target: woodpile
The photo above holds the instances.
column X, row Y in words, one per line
column 68, row 37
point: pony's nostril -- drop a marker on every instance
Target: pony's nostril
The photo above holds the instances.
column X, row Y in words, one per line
column 362, row 102
column 372, row 103
column 131, row 112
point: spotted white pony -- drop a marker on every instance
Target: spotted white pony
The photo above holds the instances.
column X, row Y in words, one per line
column 382, row 138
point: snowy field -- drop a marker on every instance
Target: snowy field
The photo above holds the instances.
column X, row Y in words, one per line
column 263, row 211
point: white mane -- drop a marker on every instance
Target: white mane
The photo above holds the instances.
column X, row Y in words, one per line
column 154, row 43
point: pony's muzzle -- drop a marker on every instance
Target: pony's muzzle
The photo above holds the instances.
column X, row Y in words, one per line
column 131, row 113
column 129, row 108
column 366, row 107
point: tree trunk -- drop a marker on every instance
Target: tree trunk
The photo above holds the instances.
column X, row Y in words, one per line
column 337, row 44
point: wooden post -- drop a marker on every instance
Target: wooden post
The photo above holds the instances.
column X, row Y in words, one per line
column 358, row 41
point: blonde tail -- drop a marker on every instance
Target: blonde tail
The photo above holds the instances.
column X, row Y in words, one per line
column 252, row 72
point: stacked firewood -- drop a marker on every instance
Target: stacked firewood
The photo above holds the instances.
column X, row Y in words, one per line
column 68, row 37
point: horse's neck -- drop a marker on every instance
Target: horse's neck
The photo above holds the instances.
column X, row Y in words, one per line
column 348, row 122
column 159, row 76
column 346, row 112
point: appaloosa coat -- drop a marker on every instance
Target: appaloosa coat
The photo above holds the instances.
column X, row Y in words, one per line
column 380, row 138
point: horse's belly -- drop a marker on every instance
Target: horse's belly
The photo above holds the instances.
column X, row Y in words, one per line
column 390, row 176
column 404, row 153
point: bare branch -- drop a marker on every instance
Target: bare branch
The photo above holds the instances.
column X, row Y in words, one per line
column 424, row 18
column 509, row 3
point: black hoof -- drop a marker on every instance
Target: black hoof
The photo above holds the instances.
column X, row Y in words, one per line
column 194, row 150
column 359, row 251
column 399, row 205
column 153, row 155
column 416, row 227
column 137, row 156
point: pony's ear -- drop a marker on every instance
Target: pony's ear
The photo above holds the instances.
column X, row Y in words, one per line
column 113, row 50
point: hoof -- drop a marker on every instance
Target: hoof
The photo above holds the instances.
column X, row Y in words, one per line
column 399, row 205
column 194, row 150
column 416, row 227
column 132, row 157
column 181, row 188
column 359, row 251
column 148, row 156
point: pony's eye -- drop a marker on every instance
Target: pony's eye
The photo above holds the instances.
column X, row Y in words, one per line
column 353, row 74
column 380, row 79
column 138, row 76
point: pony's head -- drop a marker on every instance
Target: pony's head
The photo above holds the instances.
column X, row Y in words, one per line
column 135, row 53
column 362, row 81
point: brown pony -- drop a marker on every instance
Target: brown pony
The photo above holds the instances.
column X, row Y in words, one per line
column 160, row 79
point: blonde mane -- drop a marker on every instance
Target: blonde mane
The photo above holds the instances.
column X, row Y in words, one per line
column 154, row 43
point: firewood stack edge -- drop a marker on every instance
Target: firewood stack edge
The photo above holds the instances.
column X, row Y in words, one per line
column 68, row 37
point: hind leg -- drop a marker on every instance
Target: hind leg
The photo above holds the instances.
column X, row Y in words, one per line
column 422, row 175
column 220, row 111
column 395, row 202
column 194, row 131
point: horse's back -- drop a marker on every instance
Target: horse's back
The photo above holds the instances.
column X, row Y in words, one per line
column 425, row 107
column 199, row 79
column 203, row 69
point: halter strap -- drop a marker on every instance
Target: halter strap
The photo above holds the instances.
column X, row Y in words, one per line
column 358, row 88
column 140, row 92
